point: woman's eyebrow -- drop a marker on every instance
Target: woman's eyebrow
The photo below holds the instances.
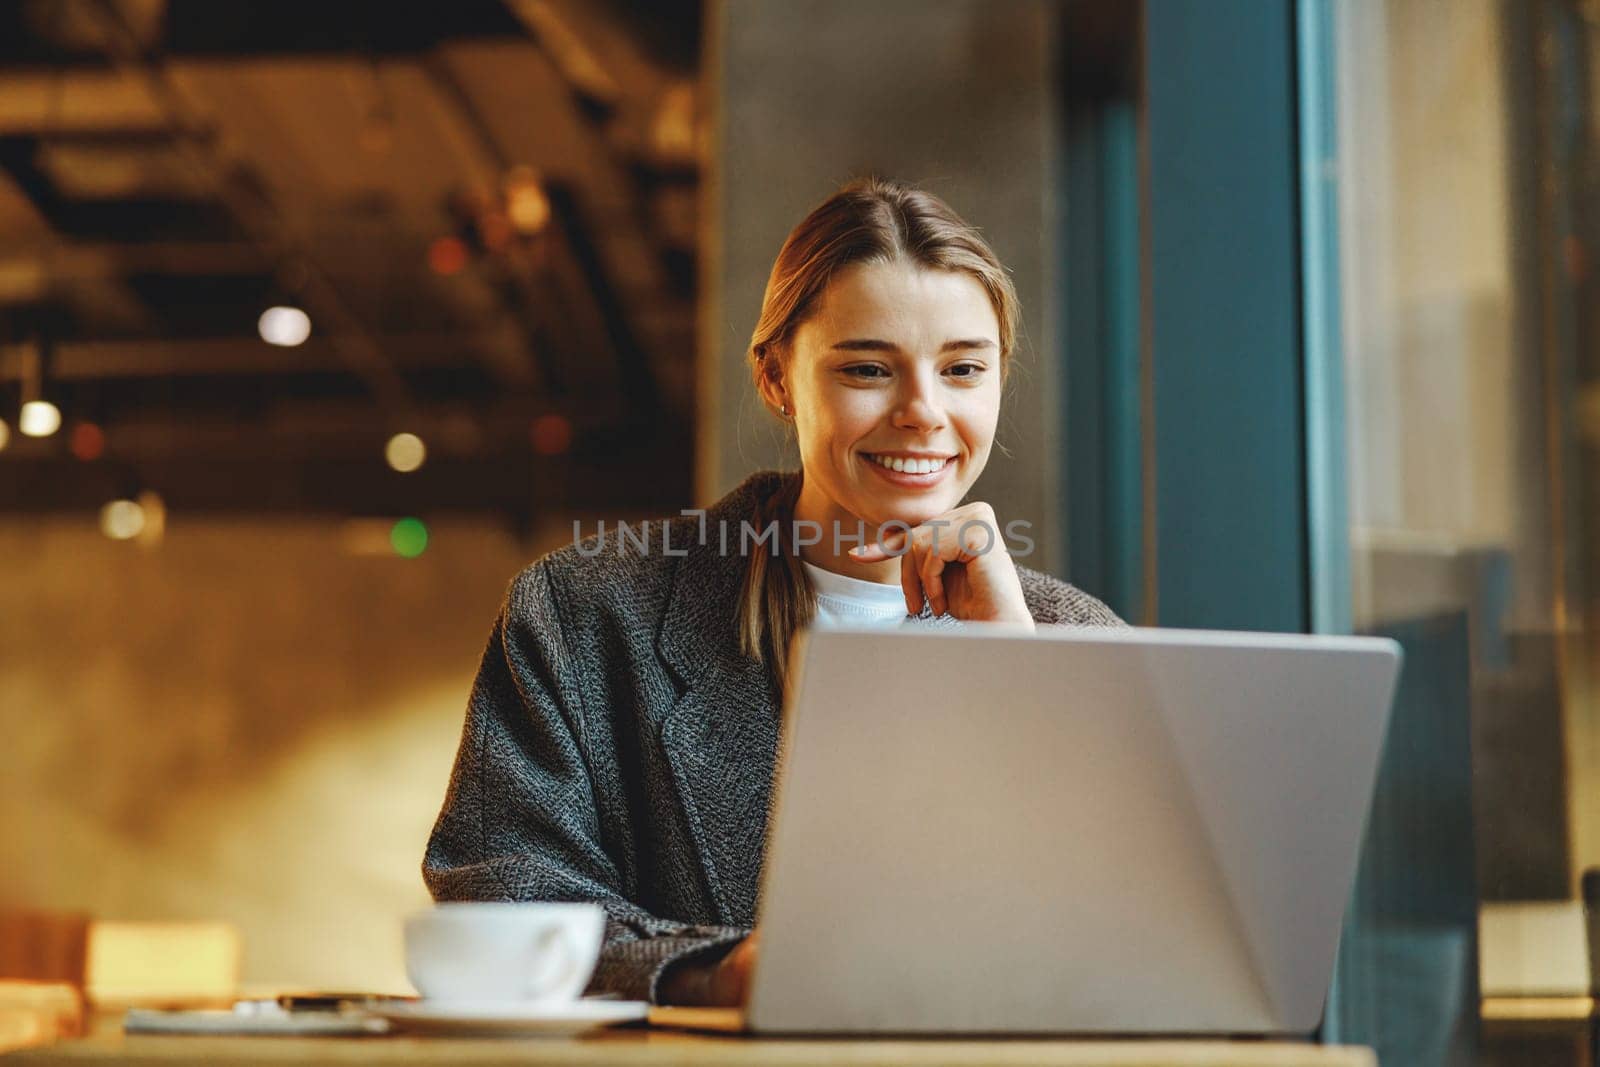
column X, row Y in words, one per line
column 866, row 344
column 872, row 344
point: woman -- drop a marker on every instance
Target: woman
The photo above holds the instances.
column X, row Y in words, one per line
column 621, row 735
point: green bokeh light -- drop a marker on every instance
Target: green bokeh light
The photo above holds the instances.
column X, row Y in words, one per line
column 409, row 538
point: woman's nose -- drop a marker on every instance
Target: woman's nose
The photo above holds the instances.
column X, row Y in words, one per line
column 918, row 406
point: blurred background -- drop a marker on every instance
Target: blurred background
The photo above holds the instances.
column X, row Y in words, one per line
column 345, row 310
column 318, row 321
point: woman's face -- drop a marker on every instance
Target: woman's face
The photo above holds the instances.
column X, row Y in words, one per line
column 899, row 366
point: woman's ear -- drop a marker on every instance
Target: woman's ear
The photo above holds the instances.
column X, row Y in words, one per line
column 774, row 394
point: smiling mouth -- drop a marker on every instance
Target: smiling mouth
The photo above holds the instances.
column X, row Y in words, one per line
column 908, row 464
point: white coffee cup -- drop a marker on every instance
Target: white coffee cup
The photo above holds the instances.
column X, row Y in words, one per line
column 492, row 952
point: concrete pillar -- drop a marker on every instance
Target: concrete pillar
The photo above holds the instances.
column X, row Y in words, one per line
column 958, row 96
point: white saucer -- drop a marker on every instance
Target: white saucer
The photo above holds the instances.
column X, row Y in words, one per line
column 559, row 1019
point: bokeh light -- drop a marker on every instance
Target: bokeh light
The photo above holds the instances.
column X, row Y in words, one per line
column 284, row 326
column 447, row 256
column 39, row 418
column 88, row 442
column 526, row 204
column 5, row 434
column 405, row 452
column 551, row 435
column 409, row 537
column 122, row 520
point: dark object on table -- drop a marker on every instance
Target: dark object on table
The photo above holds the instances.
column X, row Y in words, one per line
column 325, row 1001
column 1591, row 924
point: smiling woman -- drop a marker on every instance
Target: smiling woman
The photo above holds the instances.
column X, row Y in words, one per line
column 622, row 734
column 894, row 390
column 885, row 337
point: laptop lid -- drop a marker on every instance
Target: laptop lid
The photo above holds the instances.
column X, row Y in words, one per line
column 1069, row 831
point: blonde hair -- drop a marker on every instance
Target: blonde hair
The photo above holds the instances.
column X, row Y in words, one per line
column 872, row 220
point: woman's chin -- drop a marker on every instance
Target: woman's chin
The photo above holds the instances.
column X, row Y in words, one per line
column 914, row 515
column 911, row 507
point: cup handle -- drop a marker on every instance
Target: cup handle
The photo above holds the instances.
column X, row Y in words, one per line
column 552, row 942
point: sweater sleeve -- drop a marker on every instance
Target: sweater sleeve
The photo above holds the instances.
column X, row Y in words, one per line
column 1054, row 602
column 519, row 820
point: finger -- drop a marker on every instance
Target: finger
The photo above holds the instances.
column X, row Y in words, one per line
column 881, row 549
column 976, row 538
column 932, row 574
column 911, row 583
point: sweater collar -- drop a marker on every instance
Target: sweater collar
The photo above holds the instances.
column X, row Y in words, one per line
column 701, row 622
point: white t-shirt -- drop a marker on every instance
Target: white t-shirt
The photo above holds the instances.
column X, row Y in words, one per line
column 855, row 602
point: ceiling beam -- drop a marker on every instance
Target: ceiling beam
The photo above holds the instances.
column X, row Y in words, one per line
column 60, row 102
column 332, row 430
column 74, row 261
column 163, row 357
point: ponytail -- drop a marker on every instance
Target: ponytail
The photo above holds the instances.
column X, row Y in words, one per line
column 777, row 600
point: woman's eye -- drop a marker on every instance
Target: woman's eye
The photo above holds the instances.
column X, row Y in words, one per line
column 966, row 370
column 866, row 370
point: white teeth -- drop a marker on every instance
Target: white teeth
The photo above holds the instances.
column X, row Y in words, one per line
column 909, row 466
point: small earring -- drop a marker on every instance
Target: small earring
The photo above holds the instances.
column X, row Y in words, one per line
column 784, row 410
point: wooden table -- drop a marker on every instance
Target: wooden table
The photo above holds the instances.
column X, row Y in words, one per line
column 659, row 1048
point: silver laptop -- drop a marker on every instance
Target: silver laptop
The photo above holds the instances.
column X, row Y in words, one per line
column 1066, row 831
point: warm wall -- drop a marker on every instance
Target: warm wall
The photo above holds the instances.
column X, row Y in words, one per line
column 247, row 723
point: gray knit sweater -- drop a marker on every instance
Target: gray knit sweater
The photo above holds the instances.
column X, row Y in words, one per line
column 619, row 748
